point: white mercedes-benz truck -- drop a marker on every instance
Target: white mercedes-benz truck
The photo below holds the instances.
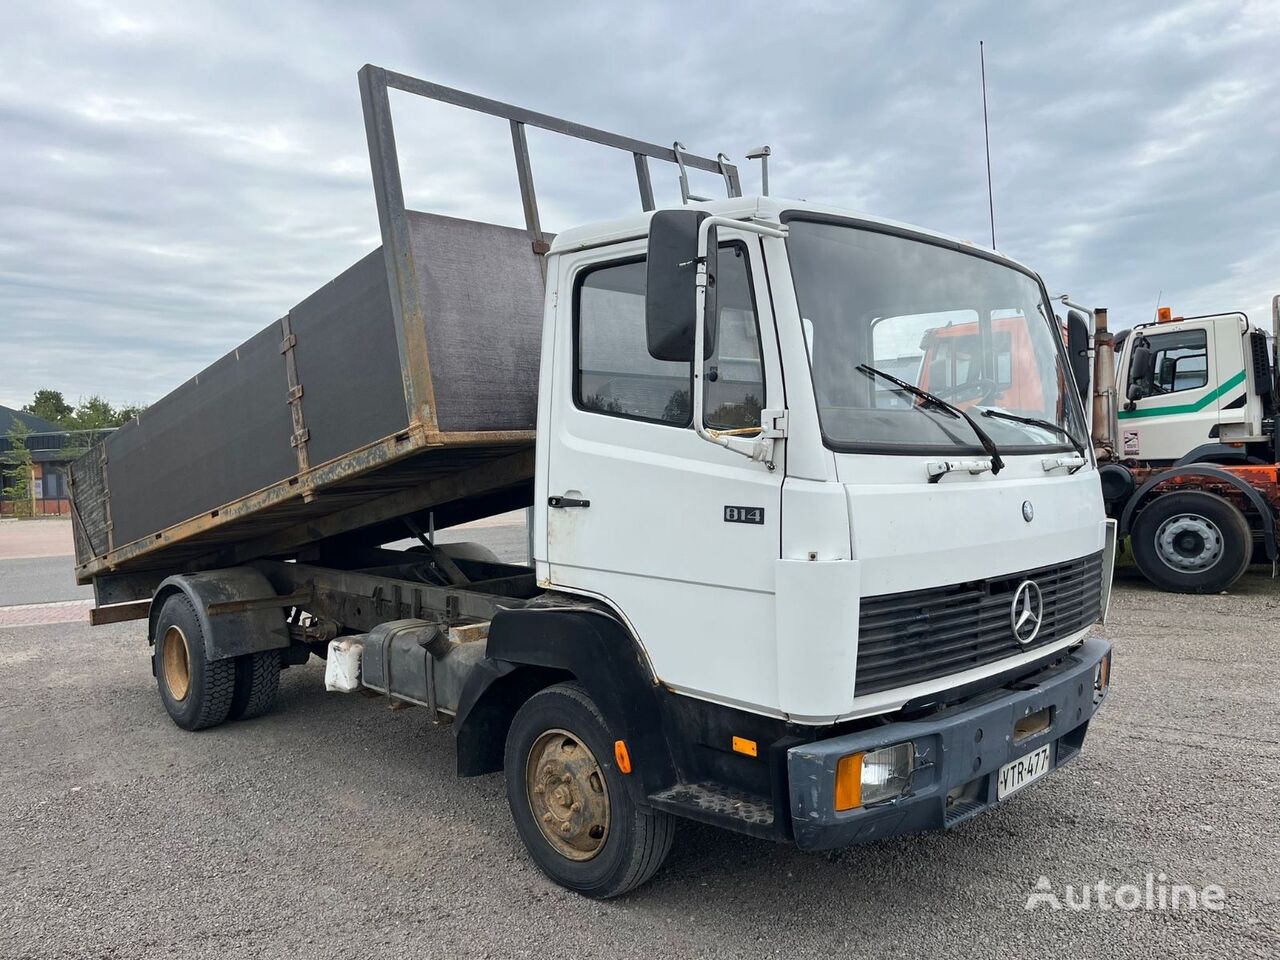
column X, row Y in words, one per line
column 777, row 584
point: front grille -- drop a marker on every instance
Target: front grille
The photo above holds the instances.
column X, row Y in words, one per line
column 906, row 638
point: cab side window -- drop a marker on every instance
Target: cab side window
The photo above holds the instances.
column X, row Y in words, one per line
column 616, row 375
column 734, row 373
column 1180, row 361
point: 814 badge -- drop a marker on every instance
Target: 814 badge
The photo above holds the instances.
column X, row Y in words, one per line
column 744, row 515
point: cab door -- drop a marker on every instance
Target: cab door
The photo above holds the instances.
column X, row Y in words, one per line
column 1178, row 409
column 677, row 534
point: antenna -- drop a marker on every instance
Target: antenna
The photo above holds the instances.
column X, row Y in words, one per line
column 986, row 136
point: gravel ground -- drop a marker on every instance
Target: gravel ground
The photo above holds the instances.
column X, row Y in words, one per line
column 335, row 827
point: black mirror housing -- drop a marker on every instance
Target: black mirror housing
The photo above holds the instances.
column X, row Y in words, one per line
column 671, row 295
column 1078, row 352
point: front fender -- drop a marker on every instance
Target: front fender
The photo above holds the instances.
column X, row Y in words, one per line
column 532, row 648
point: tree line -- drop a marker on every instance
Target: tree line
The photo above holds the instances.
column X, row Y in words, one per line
column 90, row 413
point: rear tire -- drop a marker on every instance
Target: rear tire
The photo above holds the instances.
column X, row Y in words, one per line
column 588, row 835
column 1193, row 542
column 196, row 692
column 257, row 683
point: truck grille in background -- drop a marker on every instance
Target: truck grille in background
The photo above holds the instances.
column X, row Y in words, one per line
column 906, row 638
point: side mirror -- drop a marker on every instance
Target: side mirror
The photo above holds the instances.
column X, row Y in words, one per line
column 1078, row 352
column 671, row 296
column 1142, row 365
column 1168, row 372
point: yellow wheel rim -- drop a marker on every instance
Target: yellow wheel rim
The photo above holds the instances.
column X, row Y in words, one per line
column 568, row 795
column 175, row 663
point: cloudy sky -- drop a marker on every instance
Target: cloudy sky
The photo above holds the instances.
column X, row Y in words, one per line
column 174, row 176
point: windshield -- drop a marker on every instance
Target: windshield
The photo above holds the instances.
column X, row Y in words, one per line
column 967, row 329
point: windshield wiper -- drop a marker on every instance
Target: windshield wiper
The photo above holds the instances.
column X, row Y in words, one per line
column 1043, row 425
column 932, row 400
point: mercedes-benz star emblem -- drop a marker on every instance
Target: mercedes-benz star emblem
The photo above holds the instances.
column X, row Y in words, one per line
column 1028, row 511
column 1027, row 612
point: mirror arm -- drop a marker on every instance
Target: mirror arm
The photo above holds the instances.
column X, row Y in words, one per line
column 760, row 447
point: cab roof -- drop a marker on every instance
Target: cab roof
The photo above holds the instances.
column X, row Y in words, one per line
column 743, row 208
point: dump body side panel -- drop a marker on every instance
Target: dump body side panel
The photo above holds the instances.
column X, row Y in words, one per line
column 303, row 431
column 223, row 433
column 348, row 362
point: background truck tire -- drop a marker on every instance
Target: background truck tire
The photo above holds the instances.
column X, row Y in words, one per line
column 566, row 842
column 257, row 682
column 1191, row 542
column 195, row 691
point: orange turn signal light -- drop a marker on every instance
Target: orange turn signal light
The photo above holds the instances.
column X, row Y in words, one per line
column 849, row 782
column 622, row 756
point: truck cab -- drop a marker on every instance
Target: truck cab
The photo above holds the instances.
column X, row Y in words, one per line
column 1191, row 471
column 747, row 582
column 1186, row 382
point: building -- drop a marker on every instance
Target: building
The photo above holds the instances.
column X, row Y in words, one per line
column 52, row 450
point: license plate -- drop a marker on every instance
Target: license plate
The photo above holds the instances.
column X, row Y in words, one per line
column 1016, row 775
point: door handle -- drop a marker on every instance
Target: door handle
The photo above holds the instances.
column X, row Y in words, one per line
column 561, row 502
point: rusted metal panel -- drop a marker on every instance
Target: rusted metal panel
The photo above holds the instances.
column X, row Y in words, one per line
column 1265, row 478
column 481, row 292
column 361, row 601
column 489, row 476
column 120, row 612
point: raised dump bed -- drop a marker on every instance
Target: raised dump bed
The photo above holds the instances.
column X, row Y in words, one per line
column 344, row 403
column 405, row 387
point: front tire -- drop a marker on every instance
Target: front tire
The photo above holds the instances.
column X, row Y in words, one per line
column 571, row 804
column 1193, row 542
column 196, row 692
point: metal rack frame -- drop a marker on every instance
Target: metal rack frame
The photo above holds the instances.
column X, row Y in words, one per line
column 375, row 82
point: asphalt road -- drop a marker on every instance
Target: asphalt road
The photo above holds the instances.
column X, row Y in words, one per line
column 335, row 827
column 39, row 580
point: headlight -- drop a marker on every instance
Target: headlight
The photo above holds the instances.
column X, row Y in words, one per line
column 866, row 778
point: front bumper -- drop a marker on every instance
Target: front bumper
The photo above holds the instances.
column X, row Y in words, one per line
column 958, row 752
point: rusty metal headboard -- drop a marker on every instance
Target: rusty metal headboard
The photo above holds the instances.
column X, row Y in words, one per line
column 397, row 240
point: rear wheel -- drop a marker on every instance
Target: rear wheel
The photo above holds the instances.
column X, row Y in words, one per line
column 1193, row 542
column 196, row 691
column 257, row 682
column 570, row 803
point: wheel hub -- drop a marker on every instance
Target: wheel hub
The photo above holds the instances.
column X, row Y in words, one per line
column 568, row 795
column 1189, row 543
column 175, row 660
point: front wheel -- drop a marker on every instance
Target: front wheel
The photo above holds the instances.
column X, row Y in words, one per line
column 1193, row 542
column 570, row 803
